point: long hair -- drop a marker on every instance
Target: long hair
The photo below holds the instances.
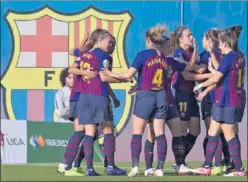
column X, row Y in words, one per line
column 95, row 36
column 213, row 34
column 236, row 29
column 175, row 36
column 230, row 39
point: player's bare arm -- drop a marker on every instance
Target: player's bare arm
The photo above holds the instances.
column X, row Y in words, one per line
column 213, row 59
column 200, row 68
column 195, row 53
column 107, row 78
column 189, row 67
column 125, row 75
column 196, row 77
column 213, row 80
column 71, row 52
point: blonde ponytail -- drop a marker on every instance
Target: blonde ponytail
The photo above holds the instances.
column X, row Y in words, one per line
column 157, row 34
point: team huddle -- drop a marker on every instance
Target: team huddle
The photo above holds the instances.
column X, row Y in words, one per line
column 171, row 62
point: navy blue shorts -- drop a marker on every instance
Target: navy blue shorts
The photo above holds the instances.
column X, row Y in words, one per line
column 92, row 109
column 151, row 104
column 228, row 115
column 172, row 113
column 206, row 107
column 187, row 105
column 73, row 110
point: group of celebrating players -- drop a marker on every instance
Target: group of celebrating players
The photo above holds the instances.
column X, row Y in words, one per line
column 170, row 61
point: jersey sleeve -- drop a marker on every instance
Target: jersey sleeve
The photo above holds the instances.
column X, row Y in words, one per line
column 76, row 52
column 204, row 58
column 77, row 62
column 177, row 53
column 225, row 65
column 177, row 66
column 138, row 61
column 106, row 61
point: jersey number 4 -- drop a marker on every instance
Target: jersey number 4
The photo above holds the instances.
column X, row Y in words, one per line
column 158, row 78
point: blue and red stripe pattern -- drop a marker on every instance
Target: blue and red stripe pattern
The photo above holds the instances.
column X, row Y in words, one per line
column 182, row 85
column 227, row 90
column 94, row 61
column 151, row 67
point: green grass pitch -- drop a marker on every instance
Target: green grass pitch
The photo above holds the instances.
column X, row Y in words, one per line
column 47, row 172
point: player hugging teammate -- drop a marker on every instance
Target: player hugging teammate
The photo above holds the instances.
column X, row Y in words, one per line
column 169, row 61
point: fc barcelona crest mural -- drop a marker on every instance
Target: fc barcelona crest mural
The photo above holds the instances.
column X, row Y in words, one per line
column 41, row 43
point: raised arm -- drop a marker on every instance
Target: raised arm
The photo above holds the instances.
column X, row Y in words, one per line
column 194, row 54
column 214, row 60
column 76, row 51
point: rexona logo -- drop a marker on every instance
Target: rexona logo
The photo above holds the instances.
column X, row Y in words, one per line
column 40, row 141
column 10, row 140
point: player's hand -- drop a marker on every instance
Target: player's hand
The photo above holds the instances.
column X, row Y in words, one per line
column 209, row 48
column 132, row 90
column 197, row 88
column 116, row 102
column 85, row 40
column 88, row 34
column 107, row 71
column 201, row 95
column 57, row 113
column 67, row 110
column 128, row 80
column 210, row 66
column 194, row 43
column 90, row 73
